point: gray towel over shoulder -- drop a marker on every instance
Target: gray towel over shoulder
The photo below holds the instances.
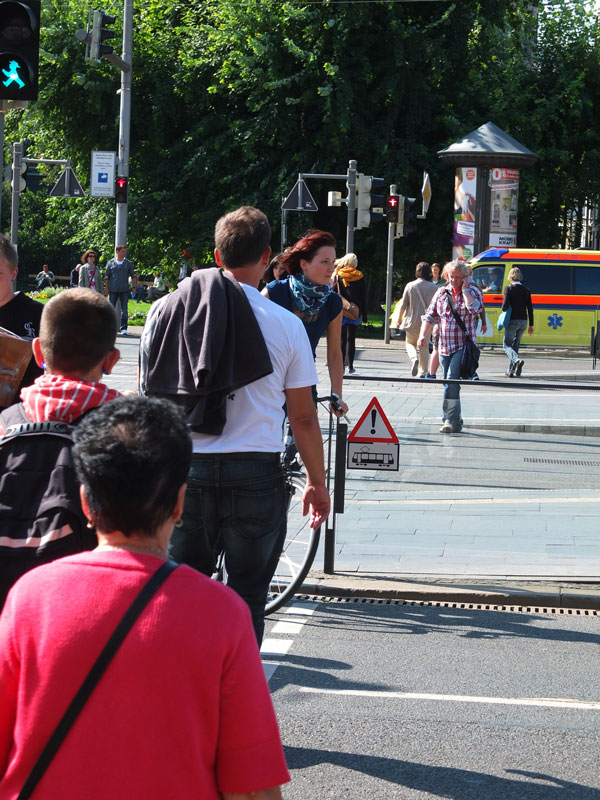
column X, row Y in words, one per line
column 206, row 344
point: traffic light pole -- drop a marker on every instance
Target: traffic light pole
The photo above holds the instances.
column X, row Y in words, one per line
column 16, row 183
column 390, row 271
column 125, row 118
column 351, row 183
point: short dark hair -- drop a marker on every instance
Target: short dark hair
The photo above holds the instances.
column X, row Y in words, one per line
column 423, row 270
column 8, row 251
column 132, row 455
column 242, row 236
column 305, row 249
column 77, row 330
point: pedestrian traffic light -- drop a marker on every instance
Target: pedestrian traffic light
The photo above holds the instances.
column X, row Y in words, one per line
column 391, row 208
column 369, row 200
column 410, row 215
column 121, row 189
column 19, row 49
column 100, row 33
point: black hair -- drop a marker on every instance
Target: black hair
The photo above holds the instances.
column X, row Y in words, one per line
column 132, row 455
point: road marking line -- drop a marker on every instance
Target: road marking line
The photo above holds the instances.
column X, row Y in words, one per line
column 288, row 626
column 546, row 702
column 275, row 647
column 301, row 611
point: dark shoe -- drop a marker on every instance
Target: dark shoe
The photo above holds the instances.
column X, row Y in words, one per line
column 510, row 373
column 415, row 368
column 519, row 367
column 429, row 377
column 351, row 370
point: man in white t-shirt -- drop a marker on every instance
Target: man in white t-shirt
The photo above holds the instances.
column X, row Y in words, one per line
column 235, row 499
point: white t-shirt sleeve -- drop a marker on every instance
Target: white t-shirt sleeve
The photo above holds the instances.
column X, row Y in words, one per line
column 301, row 369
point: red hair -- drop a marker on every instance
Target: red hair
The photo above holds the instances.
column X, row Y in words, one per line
column 305, row 248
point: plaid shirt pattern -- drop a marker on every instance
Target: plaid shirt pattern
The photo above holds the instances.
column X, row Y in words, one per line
column 452, row 337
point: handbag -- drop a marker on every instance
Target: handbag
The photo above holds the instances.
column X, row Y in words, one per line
column 349, row 309
column 504, row 316
column 140, row 602
column 470, row 355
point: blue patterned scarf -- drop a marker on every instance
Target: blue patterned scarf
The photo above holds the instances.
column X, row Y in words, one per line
column 308, row 297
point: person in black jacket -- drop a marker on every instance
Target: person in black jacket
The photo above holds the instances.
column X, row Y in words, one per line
column 348, row 281
column 518, row 298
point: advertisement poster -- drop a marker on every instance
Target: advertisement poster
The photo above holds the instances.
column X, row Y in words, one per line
column 504, row 197
column 465, row 198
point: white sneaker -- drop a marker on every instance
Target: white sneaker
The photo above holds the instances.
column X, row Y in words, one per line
column 447, row 427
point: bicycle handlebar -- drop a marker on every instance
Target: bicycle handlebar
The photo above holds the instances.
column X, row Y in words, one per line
column 334, row 403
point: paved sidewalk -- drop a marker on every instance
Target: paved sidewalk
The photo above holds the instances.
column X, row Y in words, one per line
column 507, row 512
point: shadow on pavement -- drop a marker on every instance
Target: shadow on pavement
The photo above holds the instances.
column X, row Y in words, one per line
column 445, row 782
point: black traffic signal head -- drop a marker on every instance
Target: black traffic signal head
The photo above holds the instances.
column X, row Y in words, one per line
column 121, row 189
column 19, row 49
column 410, row 215
column 100, row 32
column 391, row 207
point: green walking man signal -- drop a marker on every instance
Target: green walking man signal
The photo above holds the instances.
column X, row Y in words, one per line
column 19, row 49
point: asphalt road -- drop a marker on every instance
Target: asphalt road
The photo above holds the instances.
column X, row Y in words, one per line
column 408, row 701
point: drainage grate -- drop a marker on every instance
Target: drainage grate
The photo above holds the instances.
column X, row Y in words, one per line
column 562, row 461
column 575, row 612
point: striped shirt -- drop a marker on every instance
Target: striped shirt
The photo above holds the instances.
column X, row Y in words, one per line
column 452, row 337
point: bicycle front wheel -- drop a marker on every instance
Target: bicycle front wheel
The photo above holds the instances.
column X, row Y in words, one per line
column 299, row 548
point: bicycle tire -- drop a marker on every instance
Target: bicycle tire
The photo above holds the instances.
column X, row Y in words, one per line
column 299, row 549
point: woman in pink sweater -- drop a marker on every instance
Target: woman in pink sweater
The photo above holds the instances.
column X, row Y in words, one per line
column 183, row 709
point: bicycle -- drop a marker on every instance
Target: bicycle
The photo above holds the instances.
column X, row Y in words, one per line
column 301, row 541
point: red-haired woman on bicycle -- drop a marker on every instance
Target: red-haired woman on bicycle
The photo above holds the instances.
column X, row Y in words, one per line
column 308, row 294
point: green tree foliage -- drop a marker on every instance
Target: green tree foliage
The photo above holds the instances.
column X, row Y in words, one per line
column 231, row 99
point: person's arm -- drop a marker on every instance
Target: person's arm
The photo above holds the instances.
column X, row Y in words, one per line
column 530, row 312
column 266, row 794
column 472, row 302
column 106, row 278
column 302, row 415
column 335, row 362
column 506, row 303
column 133, row 276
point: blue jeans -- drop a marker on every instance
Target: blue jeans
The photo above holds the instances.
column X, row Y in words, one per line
column 123, row 297
column 451, row 402
column 235, row 503
column 512, row 339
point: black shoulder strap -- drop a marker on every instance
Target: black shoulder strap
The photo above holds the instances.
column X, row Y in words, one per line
column 461, row 324
column 89, row 684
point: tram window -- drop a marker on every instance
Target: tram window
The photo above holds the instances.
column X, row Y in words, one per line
column 587, row 280
column 546, row 278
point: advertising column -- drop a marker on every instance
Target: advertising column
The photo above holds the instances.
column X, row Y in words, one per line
column 504, row 189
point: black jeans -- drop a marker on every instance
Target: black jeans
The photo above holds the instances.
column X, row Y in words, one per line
column 235, row 503
column 349, row 344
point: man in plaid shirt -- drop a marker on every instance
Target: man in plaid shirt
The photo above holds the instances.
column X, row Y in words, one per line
column 468, row 302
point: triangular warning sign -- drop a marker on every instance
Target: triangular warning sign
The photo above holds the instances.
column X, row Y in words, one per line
column 299, row 199
column 60, row 187
column 373, row 426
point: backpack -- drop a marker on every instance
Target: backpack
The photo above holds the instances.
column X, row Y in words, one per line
column 41, row 518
